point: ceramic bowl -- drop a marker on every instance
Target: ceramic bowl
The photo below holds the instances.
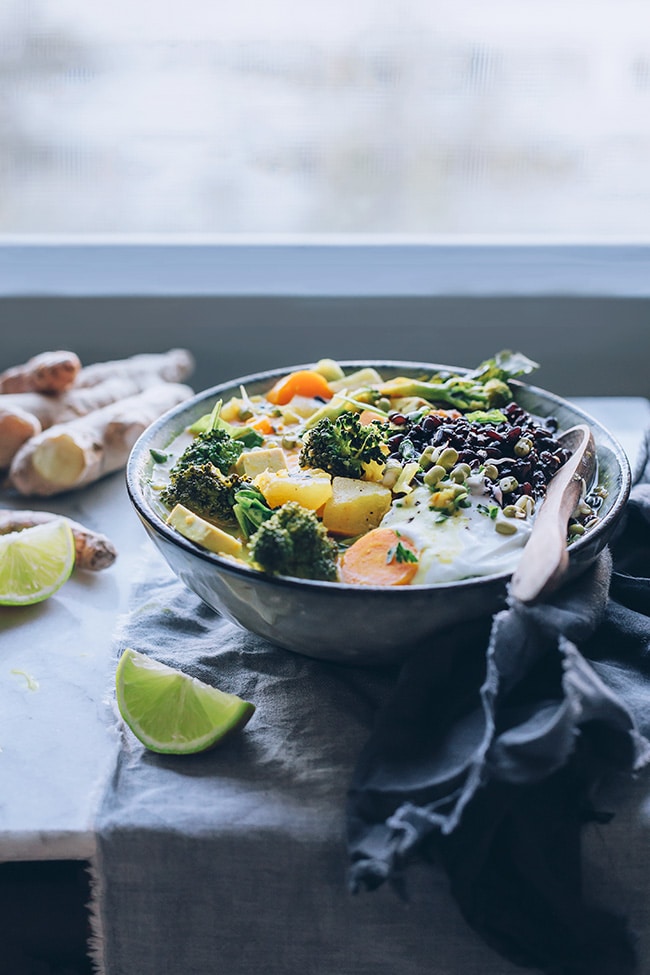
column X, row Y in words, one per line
column 332, row 621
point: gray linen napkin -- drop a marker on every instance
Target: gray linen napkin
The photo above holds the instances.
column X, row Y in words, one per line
column 487, row 756
column 235, row 860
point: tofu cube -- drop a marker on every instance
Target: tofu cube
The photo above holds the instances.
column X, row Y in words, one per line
column 254, row 462
column 202, row 532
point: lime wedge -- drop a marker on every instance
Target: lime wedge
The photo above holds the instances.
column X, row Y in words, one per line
column 35, row 562
column 171, row 712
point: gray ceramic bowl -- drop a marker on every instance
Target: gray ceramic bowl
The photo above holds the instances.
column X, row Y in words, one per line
column 333, row 621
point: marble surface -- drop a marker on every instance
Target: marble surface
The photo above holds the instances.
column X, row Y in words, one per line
column 56, row 670
column 57, row 666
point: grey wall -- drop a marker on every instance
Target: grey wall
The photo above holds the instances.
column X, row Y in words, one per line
column 586, row 346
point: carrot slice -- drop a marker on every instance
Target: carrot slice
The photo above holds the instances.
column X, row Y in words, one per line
column 303, row 382
column 262, row 425
column 369, row 416
column 448, row 414
column 382, row 557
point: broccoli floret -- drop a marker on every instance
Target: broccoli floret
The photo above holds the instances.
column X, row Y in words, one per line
column 293, row 542
column 215, row 447
column 343, row 446
column 204, row 489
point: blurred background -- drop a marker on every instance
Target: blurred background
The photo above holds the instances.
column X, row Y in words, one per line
column 449, row 118
column 150, row 123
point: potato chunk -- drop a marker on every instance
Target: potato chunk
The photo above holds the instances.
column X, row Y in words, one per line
column 355, row 506
column 310, row 490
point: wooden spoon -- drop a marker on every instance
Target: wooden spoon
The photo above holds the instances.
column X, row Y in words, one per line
column 545, row 558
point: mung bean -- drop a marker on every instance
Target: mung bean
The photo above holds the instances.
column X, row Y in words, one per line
column 508, row 484
column 523, row 447
column 448, row 458
column 526, row 504
column 434, row 475
column 458, row 474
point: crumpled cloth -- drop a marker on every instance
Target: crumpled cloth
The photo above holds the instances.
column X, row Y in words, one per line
column 235, row 860
column 487, row 758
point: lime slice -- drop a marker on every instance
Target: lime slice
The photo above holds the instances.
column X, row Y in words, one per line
column 171, row 712
column 35, row 562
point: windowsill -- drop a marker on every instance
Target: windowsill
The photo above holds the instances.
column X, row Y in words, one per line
column 326, row 267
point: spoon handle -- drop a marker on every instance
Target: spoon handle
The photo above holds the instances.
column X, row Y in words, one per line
column 545, row 558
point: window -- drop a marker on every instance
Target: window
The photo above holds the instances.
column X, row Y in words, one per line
column 370, row 117
column 428, row 180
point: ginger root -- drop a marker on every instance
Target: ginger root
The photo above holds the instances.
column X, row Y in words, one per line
column 95, row 387
column 70, row 455
column 49, row 372
column 49, row 410
column 144, row 369
column 93, row 551
column 16, row 426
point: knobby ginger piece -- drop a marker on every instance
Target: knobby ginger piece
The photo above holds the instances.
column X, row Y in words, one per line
column 49, row 372
column 16, row 426
column 68, row 456
column 174, row 366
column 108, row 382
column 21, row 413
column 24, row 414
column 93, row 551
column 49, row 410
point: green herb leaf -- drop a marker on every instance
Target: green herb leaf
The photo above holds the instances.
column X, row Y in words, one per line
column 400, row 553
column 404, row 554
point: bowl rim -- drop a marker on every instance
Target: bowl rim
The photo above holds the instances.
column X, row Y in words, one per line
column 137, row 496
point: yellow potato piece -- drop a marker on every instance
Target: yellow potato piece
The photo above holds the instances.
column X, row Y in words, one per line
column 355, row 506
column 232, row 410
column 198, row 530
column 309, row 490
